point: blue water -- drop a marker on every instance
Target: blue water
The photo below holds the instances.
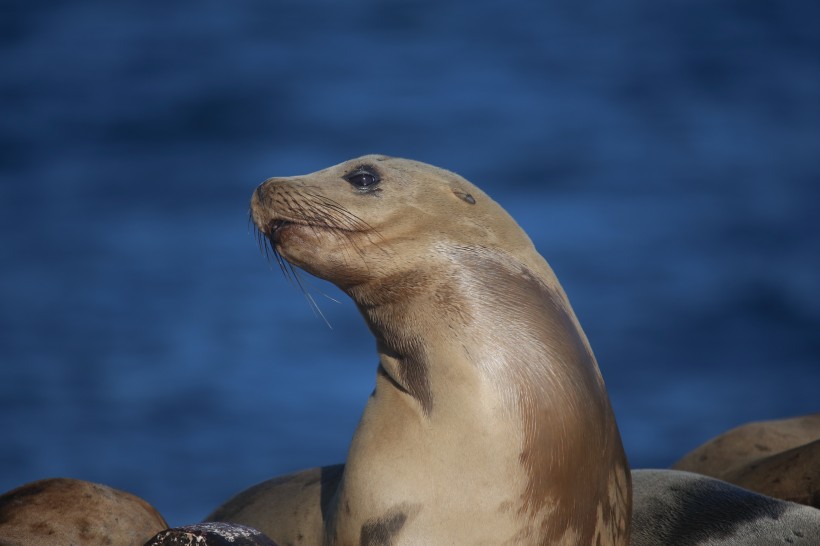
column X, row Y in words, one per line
column 664, row 157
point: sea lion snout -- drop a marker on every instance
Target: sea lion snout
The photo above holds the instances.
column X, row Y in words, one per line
column 258, row 195
column 264, row 208
column 264, row 192
column 258, row 200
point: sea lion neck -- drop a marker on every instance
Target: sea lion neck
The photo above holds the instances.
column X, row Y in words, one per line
column 401, row 311
column 453, row 320
column 490, row 349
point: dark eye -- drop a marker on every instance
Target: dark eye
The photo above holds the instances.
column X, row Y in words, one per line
column 362, row 178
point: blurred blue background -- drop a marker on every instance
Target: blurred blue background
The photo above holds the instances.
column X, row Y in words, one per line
column 664, row 157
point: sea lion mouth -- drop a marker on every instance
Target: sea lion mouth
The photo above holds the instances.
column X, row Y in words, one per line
column 275, row 227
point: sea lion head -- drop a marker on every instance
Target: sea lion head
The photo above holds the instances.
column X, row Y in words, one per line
column 376, row 216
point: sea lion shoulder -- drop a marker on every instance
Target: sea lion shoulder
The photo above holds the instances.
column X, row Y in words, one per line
column 286, row 507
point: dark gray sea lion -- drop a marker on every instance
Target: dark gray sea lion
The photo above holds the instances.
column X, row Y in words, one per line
column 674, row 508
column 61, row 512
column 490, row 422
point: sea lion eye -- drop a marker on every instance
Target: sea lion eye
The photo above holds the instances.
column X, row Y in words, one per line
column 362, row 178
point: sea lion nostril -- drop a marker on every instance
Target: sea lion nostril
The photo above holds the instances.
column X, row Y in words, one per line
column 259, row 193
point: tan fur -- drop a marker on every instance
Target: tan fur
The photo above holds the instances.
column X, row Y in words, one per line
column 779, row 458
column 61, row 511
column 490, row 423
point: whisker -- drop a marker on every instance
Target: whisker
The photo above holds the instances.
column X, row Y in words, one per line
column 308, row 215
column 314, row 287
column 284, row 265
column 260, row 242
column 344, row 221
column 309, row 297
column 351, row 221
column 315, row 212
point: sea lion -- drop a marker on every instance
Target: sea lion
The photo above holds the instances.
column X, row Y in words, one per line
column 675, row 508
column 779, row 458
column 490, row 422
column 60, row 511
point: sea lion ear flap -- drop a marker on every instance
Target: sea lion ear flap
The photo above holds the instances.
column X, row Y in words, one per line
column 464, row 196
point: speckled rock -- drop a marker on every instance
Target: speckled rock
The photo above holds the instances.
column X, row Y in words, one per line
column 211, row 534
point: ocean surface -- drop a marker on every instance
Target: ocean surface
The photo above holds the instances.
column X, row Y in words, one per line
column 663, row 156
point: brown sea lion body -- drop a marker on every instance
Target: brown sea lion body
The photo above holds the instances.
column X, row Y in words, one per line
column 490, row 422
column 62, row 511
column 779, row 458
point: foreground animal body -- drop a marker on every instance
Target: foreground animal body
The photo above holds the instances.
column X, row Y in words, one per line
column 490, row 422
